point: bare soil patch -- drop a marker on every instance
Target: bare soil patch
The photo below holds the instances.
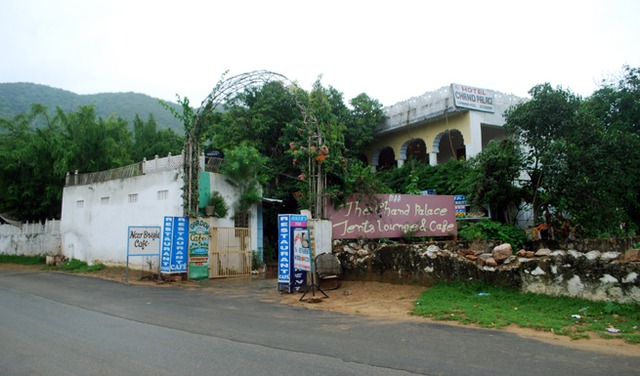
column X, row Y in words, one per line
column 382, row 301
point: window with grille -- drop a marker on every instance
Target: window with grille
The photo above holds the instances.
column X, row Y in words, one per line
column 163, row 195
column 133, row 197
column 241, row 219
column 104, row 201
column 80, row 204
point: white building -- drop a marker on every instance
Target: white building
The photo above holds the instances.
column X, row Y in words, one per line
column 98, row 208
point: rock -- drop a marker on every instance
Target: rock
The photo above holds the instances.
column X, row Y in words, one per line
column 467, row 252
column 575, row 254
column 610, row 256
column 522, row 253
column 430, row 254
column 631, row 255
column 630, row 278
column 542, row 252
column 608, row 278
column 502, row 252
column 538, row 271
column 530, row 254
column 592, row 255
column 471, row 257
column 490, row 262
column 362, row 252
column 51, row 260
column 433, row 248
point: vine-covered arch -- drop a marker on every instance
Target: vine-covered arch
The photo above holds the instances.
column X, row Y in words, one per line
column 224, row 90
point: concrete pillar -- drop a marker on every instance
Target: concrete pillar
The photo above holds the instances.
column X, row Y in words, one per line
column 400, row 162
column 433, row 158
column 474, row 146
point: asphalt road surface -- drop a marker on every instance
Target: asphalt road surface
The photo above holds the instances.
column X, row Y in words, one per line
column 60, row 324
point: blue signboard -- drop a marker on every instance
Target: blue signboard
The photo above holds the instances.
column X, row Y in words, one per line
column 289, row 278
column 174, row 245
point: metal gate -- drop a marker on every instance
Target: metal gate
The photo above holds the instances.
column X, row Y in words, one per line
column 229, row 252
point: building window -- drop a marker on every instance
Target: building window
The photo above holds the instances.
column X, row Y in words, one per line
column 163, row 195
column 241, row 219
column 80, row 204
column 133, row 197
column 104, row 201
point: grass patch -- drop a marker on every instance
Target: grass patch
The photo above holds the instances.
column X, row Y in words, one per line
column 495, row 307
column 22, row 259
column 75, row 266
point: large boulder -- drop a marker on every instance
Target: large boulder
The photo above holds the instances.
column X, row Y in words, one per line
column 502, row 252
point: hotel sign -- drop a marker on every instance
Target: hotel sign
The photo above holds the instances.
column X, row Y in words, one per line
column 473, row 98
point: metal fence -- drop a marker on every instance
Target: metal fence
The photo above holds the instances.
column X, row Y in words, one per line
column 229, row 252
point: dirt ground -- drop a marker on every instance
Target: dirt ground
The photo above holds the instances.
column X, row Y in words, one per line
column 382, row 301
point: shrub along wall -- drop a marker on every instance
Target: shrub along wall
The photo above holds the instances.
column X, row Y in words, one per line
column 611, row 272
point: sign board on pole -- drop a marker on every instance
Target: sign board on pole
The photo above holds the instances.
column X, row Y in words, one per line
column 291, row 228
column 142, row 241
column 174, row 245
column 199, row 233
column 301, row 250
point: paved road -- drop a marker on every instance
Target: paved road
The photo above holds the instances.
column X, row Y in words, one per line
column 59, row 324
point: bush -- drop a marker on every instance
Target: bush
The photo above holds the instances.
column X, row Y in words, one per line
column 492, row 230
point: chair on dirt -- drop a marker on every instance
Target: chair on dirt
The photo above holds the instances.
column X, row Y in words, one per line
column 328, row 268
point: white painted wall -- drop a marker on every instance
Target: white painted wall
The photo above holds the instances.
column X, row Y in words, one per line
column 219, row 183
column 96, row 217
column 30, row 239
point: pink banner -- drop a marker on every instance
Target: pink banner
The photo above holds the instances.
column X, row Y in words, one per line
column 394, row 216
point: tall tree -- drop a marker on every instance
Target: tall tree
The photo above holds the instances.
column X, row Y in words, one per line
column 582, row 156
column 93, row 144
column 494, row 183
column 362, row 120
column 543, row 125
column 148, row 141
column 31, row 176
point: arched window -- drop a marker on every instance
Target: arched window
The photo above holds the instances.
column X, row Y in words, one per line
column 387, row 159
column 450, row 144
column 417, row 150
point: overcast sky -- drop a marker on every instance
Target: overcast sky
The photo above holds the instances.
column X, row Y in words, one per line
column 391, row 50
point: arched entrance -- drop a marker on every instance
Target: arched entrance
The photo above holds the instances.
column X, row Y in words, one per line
column 386, row 159
column 449, row 144
column 415, row 150
column 223, row 91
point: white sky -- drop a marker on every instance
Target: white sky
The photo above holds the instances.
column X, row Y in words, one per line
column 391, row 50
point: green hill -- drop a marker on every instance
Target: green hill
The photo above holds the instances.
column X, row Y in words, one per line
column 17, row 98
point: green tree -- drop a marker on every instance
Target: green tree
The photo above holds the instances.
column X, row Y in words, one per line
column 362, row 120
column 582, row 156
column 543, row 126
column 494, row 184
column 93, row 144
column 148, row 141
column 243, row 168
column 31, row 176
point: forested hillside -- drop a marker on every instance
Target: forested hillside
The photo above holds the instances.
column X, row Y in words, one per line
column 17, row 98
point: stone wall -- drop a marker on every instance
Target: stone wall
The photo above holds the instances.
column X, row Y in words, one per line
column 612, row 274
